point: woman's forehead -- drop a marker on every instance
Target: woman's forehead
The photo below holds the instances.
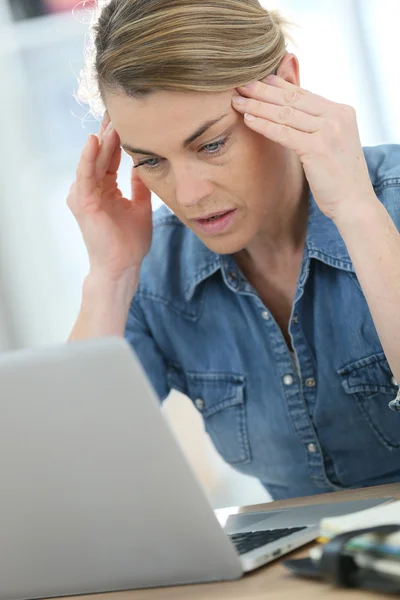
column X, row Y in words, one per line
column 164, row 115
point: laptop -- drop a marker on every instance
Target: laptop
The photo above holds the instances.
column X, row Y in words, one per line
column 95, row 493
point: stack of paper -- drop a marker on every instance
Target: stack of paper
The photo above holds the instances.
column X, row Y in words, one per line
column 381, row 553
column 385, row 514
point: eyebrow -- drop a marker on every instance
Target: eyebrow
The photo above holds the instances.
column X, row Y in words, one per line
column 202, row 129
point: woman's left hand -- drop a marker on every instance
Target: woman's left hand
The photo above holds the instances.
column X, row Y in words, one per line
column 322, row 133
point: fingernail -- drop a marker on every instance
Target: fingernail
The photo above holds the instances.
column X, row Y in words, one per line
column 249, row 117
column 239, row 99
column 269, row 78
column 247, row 85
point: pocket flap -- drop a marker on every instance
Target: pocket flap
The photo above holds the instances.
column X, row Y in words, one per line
column 213, row 392
column 370, row 374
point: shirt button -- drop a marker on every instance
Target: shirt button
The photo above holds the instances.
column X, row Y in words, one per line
column 312, row 448
column 199, row 403
column 311, row 382
column 232, row 276
column 394, row 382
column 288, row 380
column 265, row 315
column 295, row 318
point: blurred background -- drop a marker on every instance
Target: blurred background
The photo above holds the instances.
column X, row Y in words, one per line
column 348, row 53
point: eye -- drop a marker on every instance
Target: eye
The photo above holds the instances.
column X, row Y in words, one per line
column 149, row 164
column 212, row 149
column 215, row 147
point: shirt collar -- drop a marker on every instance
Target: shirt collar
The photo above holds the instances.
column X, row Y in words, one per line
column 201, row 263
column 323, row 242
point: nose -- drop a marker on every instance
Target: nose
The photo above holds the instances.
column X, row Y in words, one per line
column 191, row 186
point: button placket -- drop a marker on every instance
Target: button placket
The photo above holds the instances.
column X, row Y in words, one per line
column 310, row 382
column 288, row 379
column 300, row 407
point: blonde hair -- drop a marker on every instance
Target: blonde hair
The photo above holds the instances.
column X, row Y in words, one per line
column 136, row 47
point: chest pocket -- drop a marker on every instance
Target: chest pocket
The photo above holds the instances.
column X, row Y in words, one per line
column 370, row 383
column 220, row 398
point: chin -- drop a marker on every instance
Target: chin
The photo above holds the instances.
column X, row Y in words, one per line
column 226, row 244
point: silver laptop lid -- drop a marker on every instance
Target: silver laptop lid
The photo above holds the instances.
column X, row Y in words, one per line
column 95, row 492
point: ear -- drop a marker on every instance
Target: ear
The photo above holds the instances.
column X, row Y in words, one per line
column 289, row 69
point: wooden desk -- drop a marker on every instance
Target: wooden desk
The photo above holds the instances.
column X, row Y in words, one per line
column 271, row 582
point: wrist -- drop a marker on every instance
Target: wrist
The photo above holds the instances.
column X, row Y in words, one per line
column 105, row 305
column 359, row 212
column 116, row 288
column 106, row 301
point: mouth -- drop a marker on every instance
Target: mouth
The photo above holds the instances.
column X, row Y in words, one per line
column 216, row 223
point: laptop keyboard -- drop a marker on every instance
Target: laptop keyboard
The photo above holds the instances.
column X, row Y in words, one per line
column 245, row 542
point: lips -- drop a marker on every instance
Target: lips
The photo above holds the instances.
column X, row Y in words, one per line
column 213, row 216
column 216, row 223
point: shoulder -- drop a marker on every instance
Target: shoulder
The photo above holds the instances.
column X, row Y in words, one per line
column 384, row 170
column 383, row 165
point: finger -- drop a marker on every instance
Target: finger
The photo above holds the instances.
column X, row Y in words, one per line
column 86, row 173
column 110, row 142
column 115, row 161
column 111, row 177
column 141, row 194
column 104, row 124
column 288, row 137
column 282, row 115
column 286, row 94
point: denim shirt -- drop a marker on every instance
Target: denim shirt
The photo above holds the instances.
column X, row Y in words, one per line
column 313, row 423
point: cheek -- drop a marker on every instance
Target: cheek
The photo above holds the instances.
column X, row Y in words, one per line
column 261, row 174
column 153, row 182
column 163, row 189
column 265, row 160
column 253, row 165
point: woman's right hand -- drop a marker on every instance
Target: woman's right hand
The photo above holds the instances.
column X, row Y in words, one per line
column 117, row 231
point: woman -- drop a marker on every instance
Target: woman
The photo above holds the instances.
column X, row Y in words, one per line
column 270, row 294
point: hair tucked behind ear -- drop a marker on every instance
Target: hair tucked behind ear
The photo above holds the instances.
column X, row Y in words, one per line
column 140, row 46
